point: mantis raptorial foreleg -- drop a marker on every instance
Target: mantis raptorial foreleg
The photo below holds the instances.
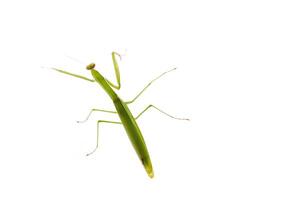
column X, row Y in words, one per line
column 117, row 72
column 97, row 143
column 116, row 67
column 163, row 112
column 96, row 110
column 75, row 75
column 139, row 94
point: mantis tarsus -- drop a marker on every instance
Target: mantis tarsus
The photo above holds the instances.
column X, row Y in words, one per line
column 125, row 115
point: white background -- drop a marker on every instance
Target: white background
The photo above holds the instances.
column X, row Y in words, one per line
column 237, row 80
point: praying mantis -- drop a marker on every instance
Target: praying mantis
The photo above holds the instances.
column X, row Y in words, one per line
column 126, row 118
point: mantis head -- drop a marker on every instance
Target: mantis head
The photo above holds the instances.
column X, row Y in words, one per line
column 90, row 66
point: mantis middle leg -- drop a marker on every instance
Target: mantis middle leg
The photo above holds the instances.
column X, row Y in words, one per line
column 139, row 94
column 163, row 112
column 96, row 110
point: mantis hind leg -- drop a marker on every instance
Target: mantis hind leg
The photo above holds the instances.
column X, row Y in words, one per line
column 97, row 143
column 161, row 111
column 117, row 71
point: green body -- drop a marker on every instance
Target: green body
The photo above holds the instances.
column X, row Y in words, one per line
column 127, row 120
column 129, row 123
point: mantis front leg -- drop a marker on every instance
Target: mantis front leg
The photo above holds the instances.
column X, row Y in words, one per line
column 74, row 75
column 116, row 68
column 117, row 72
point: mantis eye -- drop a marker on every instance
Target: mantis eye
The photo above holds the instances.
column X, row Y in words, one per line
column 90, row 66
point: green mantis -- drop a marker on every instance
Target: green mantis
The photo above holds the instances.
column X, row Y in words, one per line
column 126, row 118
